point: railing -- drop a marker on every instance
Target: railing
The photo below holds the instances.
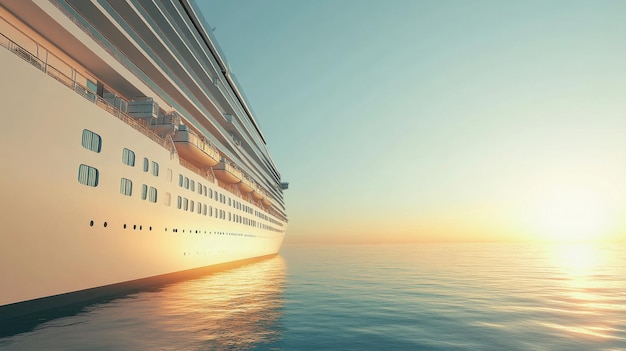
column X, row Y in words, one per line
column 21, row 52
column 138, row 125
column 198, row 171
column 118, row 55
column 104, row 43
column 82, row 90
column 62, row 78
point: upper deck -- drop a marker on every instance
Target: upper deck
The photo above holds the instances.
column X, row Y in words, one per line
column 133, row 49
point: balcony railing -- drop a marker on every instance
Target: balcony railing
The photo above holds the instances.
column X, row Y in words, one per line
column 83, row 91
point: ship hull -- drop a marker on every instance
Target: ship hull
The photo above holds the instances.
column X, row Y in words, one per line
column 61, row 236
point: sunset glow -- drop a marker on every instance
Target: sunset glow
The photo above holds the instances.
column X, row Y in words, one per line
column 499, row 125
column 573, row 214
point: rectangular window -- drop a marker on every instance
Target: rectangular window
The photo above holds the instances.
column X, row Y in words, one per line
column 199, row 208
column 180, row 180
column 185, row 204
column 210, row 193
column 155, row 169
column 204, row 209
column 204, row 189
column 144, row 191
column 152, row 195
column 168, row 199
column 186, row 183
column 128, row 157
column 88, row 175
column 180, row 202
column 91, row 141
column 146, row 164
column 192, row 185
column 92, row 86
column 199, row 188
column 126, row 187
column 191, row 206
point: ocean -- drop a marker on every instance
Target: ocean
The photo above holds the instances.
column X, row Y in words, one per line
column 369, row 297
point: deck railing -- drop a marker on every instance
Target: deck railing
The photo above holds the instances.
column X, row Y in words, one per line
column 81, row 90
column 119, row 56
column 198, row 171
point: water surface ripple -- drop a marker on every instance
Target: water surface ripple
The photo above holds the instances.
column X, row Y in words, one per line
column 391, row 297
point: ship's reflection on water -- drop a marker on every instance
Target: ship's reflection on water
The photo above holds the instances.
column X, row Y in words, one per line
column 240, row 308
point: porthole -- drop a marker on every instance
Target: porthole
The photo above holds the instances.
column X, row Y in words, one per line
column 150, row 228
column 91, row 223
column 105, row 224
column 140, row 227
column 134, row 226
column 124, row 226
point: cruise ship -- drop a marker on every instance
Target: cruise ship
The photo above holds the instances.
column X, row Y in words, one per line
column 128, row 151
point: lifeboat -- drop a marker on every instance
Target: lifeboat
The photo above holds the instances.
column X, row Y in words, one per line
column 258, row 193
column 227, row 172
column 266, row 201
column 246, row 185
column 195, row 149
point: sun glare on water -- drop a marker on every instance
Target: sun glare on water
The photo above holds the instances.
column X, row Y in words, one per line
column 574, row 214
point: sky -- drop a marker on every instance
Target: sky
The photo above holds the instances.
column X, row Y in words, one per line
column 421, row 121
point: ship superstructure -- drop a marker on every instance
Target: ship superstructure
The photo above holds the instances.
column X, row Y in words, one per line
column 128, row 149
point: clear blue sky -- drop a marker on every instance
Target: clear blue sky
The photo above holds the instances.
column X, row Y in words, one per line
column 409, row 120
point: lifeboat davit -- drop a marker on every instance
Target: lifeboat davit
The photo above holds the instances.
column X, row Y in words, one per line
column 194, row 149
column 227, row 172
column 258, row 193
column 246, row 185
column 266, row 201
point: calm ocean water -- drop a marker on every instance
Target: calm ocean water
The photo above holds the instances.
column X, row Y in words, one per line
column 391, row 297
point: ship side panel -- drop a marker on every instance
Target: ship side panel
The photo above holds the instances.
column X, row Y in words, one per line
column 59, row 235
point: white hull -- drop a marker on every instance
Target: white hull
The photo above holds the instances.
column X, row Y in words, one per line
column 48, row 246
